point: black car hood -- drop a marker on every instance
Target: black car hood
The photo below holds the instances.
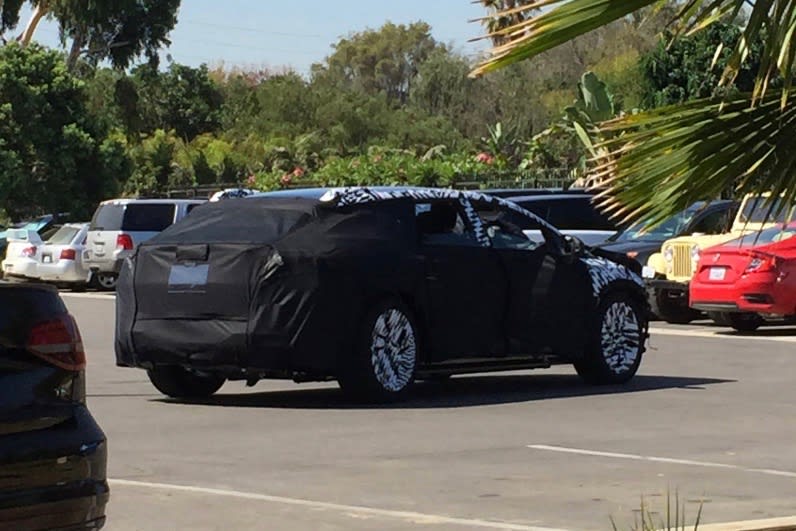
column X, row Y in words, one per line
column 630, row 247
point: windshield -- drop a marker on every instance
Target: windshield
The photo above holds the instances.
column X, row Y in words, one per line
column 758, row 210
column 63, row 236
column 674, row 226
column 766, row 236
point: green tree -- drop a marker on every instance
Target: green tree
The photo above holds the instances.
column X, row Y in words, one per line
column 53, row 155
column 183, row 99
column 384, row 60
column 689, row 69
column 660, row 161
column 119, row 31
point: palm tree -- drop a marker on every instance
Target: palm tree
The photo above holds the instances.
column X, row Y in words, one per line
column 660, row 161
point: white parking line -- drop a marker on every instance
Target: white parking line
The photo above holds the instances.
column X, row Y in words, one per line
column 655, row 330
column 636, row 457
column 95, row 296
column 409, row 516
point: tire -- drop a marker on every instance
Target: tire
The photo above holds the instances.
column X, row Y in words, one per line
column 745, row 322
column 386, row 351
column 617, row 343
column 178, row 382
column 721, row 318
column 104, row 281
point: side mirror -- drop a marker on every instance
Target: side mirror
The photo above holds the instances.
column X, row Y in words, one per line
column 571, row 248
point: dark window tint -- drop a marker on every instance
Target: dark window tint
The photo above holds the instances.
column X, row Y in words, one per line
column 147, row 217
column 107, row 217
column 577, row 213
column 191, row 207
column 441, row 223
column 760, row 210
column 63, row 236
column 713, row 223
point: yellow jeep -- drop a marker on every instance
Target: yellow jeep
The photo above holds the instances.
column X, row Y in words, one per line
column 669, row 272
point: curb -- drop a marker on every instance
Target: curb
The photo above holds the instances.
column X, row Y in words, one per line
column 771, row 524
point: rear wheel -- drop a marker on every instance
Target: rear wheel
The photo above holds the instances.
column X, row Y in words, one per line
column 745, row 322
column 178, row 382
column 617, row 342
column 383, row 364
column 103, row 281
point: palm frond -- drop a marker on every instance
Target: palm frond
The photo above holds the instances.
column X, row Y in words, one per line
column 773, row 21
column 659, row 162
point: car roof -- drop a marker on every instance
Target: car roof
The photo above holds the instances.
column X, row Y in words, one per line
column 551, row 197
column 357, row 195
column 127, row 201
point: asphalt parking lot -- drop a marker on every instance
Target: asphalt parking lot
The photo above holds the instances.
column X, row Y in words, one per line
column 709, row 416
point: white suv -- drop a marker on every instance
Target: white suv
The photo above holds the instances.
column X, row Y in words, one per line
column 119, row 225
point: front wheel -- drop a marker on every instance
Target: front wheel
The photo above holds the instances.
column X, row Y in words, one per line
column 382, row 367
column 745, row 322
column 178, row 382
column 617, row 342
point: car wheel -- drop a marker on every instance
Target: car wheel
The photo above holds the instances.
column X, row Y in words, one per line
column 104, row 281
column 745, row 322
column 617, row 343
column 720, row 318
column 178, row 382
column 385, row 358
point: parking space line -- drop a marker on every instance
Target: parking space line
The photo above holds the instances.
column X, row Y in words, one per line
column 654, row 330
column 637, row 457
column 410, row 516
column 95, row 296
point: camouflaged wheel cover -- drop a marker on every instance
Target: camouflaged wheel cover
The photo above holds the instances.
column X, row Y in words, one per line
column 620, row 337
column 393, row 350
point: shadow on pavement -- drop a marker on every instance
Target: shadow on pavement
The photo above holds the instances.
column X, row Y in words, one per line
column 464, row 391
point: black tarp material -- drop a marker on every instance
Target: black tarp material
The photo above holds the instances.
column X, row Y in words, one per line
column 259, row 283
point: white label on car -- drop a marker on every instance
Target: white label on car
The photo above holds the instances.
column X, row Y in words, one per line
column 717, row 273
column 648, row 272
column 188, row 277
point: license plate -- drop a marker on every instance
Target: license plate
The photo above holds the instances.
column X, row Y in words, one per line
column 717, row 273
column 47, row 259
column 648, row 272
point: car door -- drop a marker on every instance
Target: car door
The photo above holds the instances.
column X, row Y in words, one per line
column 466, row 286
column 548, row 292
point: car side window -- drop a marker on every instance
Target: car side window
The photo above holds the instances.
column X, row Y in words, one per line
column 712, row 223
column 504, row 227
column 442, row 223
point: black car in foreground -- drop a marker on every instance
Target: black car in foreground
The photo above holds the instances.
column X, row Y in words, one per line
column 374, row 288
column 52, row 452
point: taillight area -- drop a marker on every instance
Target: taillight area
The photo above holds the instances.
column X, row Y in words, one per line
column 124, row 242
column 58, row 342
column 68, row 254
column 29, row 252
column 761, row 263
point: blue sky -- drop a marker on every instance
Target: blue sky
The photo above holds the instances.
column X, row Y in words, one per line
column 254, row 34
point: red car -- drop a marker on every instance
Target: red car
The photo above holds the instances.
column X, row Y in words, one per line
column 749, row 278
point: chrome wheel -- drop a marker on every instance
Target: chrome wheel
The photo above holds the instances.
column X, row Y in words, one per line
column 620, row 337
column 393, row 350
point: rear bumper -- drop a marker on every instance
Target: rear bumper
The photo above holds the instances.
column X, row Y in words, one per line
column 105, row 264
column 54, row 478
column 763, row 297
column 63, row 271
column 21, row 268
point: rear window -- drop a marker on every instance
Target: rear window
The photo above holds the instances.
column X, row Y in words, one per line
column 141, row 217
column 759, row 210
column 63, row 236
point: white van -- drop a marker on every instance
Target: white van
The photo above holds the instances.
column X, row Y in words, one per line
column 119, row 225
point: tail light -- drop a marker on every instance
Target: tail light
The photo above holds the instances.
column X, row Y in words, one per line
column 68, row 254
column 29, row 252
column 124, row 242
column 58, row 342
column 761, row 263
